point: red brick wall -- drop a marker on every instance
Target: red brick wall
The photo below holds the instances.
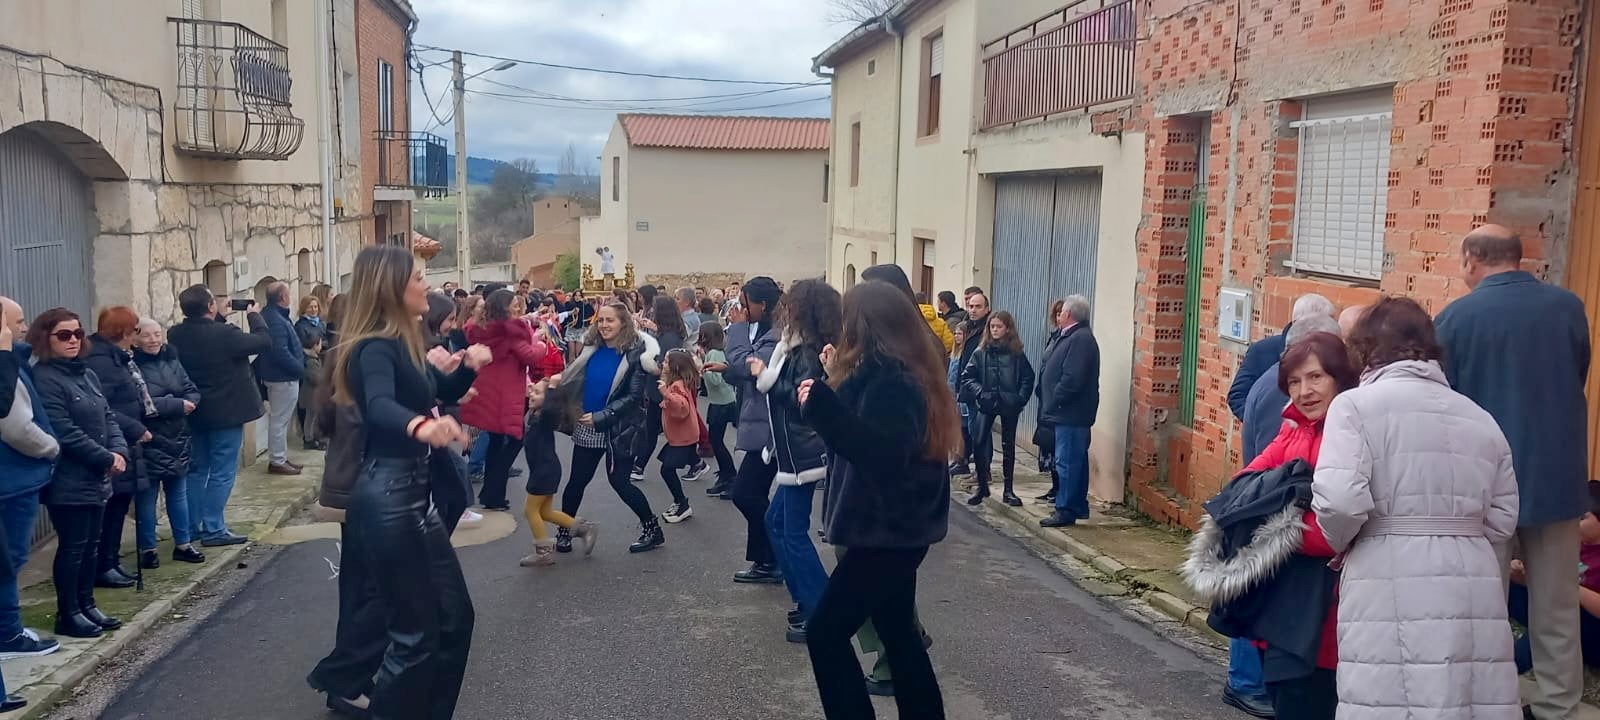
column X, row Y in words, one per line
column 1483, row 98
column 380, row 35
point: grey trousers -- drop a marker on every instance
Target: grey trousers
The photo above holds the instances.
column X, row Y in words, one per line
column 1550, row 555
column 282, row 397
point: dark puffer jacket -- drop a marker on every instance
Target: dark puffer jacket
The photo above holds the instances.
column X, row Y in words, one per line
column 1071, row 380
column 111, row 365
column 86, row 428
column 801, row 455
column 881, row 492
column 217, row 357
column 167, row 455
column 997, row 381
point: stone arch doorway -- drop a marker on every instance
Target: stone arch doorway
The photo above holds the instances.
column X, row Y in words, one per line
column 47, row 225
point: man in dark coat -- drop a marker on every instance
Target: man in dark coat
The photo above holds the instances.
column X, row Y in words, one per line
column 1519, row 348
column 28, row 449
column 280, row 369
column 975, row 327
column 1264, row 353
column 1072, row 400
column 217, row 357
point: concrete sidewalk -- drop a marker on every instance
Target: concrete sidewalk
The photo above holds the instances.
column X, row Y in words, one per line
column 259, row 505
column 1134, row 558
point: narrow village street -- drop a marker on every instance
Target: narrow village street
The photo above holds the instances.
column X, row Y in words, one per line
column 667, row 634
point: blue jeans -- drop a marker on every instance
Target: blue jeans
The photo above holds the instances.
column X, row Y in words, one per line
column 18, row 514
column 210, row 482
column 1244, row 669
column 144, row 512
column 789, row 528
column 1072, row 464
column 480, row 454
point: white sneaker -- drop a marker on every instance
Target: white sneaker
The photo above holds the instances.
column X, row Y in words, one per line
column 637, row 475
column 469, row 519
column 677, row 513
column 696, row 472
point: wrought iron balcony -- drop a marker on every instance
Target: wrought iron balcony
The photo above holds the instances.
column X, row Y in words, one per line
column 413, row 161
column 1076, row 57
column 233, row 93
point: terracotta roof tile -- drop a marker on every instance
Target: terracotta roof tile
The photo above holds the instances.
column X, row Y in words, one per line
column 717, row 132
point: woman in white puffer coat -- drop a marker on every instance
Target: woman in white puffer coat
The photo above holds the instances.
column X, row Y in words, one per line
column 1415, row 488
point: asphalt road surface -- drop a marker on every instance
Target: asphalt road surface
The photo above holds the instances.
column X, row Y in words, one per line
column 668, row 635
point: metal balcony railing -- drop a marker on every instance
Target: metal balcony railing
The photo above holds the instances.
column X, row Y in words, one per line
column 1073, row 58
column 233, row 93
column 413, row 160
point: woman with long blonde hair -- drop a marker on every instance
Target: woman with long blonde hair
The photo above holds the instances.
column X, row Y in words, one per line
column 391, row 532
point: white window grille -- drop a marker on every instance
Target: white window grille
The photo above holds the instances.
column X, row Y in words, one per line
column 1341, row 195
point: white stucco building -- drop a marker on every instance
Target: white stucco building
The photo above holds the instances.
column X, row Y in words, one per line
column 970, row 146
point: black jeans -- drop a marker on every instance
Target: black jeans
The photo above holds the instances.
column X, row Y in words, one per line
column 669, row 475
column 78, row 529
column 718, row 418
column 1313, row 697
column 646, row 444
column 584, row 463
column 502, row 454
column 984, row 448
column 111, row 524
column 427, row 610
column 750, row 489
column 881, row 585
column 360, row 641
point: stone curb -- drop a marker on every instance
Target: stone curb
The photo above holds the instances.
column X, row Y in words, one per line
column 43, row 695
column 1169, row 605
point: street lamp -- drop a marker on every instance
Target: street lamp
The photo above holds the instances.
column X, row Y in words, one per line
column 463, row 244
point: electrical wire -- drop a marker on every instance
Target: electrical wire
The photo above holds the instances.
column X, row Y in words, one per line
column 541, row 94
column 521, row 100
column 580, row 68
column 432, row 109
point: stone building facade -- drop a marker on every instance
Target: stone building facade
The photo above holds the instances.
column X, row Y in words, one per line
column 1440, row 114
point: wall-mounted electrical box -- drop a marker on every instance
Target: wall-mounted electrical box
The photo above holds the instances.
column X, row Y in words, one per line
column 1233, row 314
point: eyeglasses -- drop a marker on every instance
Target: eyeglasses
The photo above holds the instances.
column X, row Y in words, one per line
column 68, row 335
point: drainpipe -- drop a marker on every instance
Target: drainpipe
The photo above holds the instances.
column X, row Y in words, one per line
column 330, row 254
column 899, row 98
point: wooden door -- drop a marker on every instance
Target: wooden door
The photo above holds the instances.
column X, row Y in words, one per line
column 1583, row 267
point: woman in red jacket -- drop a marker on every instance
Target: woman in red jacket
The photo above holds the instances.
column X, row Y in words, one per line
column 500, row 399
column 1311, row 372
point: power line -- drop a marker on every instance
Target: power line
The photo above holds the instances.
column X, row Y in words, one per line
column 522, row 100
column 580, row 68
column 542, row 94
column 432, row 110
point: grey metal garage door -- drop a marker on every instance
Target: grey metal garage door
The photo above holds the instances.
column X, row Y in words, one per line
column 46, row 227
column 1046, row 240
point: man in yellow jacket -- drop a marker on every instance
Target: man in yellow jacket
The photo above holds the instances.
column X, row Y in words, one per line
column 940, row 328
column 896, row 276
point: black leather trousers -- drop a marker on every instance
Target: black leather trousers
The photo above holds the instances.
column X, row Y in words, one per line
column 428, row 612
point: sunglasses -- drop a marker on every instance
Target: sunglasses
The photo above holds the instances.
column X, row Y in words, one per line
column 68, row 335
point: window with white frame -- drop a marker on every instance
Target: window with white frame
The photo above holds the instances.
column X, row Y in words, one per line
column 1341, row 191
column 385, row 96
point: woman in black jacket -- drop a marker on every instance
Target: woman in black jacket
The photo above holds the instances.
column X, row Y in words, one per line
column 93, row 452
column 391, row 531
column 890, row 422
column 997, row 382
column 1044, row 434
column 167, row 454
column 810, row 315
column 670, row 334
column 600, row 401
column 109, row 353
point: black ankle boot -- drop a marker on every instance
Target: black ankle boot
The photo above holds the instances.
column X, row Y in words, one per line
column 563, row 540
column 982, row 492
column 75, row 625
column 99, row 618
column 1010, row 497
column 650, row 538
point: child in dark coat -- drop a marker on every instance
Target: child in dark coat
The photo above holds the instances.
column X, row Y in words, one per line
column 309, row 382
column 544, row 478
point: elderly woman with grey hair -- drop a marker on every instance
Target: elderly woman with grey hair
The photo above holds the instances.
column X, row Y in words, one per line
column 167, row 455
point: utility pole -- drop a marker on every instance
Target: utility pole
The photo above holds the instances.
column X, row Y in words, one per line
column 463, row 240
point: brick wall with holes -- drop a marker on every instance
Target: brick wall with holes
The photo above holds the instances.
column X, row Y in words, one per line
column 381, row 35
column 1483, row 96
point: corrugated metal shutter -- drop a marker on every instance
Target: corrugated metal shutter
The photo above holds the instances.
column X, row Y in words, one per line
column 47, row 224
column 936, row 56
column 1038, row 217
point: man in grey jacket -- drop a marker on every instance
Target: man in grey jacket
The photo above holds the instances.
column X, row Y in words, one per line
column 1519, row 348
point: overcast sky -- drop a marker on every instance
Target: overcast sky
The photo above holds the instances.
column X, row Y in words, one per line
column 737, row 39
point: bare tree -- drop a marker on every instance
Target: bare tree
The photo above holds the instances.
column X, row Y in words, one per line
column 567, row 179
column 856, row 12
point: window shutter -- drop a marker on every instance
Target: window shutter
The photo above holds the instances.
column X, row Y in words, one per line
column 936, row 57
column 1342, row 195
column 927, row 253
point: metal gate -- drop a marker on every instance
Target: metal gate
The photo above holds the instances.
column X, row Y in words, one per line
column 1046, row 242
column 46, row 226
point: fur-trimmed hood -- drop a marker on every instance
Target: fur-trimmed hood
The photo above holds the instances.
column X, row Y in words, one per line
column 1219, row 580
